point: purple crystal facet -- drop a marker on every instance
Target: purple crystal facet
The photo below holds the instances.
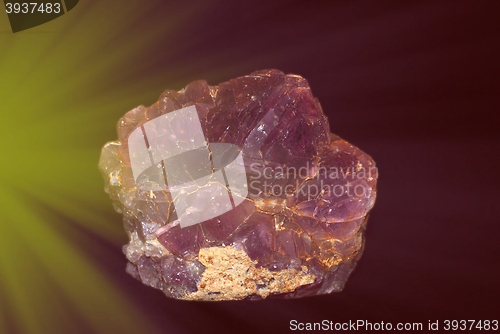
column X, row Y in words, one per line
column 298, row 232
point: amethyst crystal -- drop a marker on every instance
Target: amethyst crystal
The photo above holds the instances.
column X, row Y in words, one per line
column 294, row 229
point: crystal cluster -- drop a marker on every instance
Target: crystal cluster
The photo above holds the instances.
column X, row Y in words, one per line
column 299, row 229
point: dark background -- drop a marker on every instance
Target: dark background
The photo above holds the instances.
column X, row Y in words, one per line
column 415, row 85
column 412, row 83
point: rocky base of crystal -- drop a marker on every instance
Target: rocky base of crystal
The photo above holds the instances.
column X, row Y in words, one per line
column 300, row 241
column 225, row 273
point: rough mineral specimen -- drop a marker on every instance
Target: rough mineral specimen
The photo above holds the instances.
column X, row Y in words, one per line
column 293, row 228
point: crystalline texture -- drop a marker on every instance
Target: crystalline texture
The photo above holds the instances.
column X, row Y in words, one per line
column 296, row 227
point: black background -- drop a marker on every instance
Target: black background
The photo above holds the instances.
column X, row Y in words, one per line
column 415, row 85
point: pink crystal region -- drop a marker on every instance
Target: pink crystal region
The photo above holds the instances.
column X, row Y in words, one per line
column 299, row 231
